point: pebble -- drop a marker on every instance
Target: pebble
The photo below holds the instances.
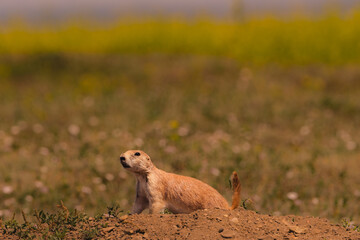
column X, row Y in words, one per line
column 234, row 220
column 108, row 229
column 227, row 234
column 122, row 218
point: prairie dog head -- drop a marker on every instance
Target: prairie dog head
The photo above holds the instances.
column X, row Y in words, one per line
column 136, row 161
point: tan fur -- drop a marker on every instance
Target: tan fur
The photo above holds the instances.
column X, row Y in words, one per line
column 157, row 189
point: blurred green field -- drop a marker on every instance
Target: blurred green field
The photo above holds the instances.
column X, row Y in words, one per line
column 276, row 100
column 291, row 133
column 331, row 38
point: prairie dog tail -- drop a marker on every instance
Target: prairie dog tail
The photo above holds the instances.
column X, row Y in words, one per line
column 235, row 182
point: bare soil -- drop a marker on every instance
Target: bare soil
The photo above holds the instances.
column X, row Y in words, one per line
column 210, row 224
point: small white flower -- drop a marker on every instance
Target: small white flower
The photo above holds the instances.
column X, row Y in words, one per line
column 162, row 142
column 109, row 177
column 350, row 145
column 74, row 129
column 8, row 141
column 170, row 149
column 345, row 136
column 357, row 193
column 29, row 198
column 38, row 184
column 298, row 202
column 44, row 151
column 38, row 128
column 138, row 142
column 215, row 171
column 86, row 190
column 183, row 131
column 292, row 195
column 96, row 180
column 315, row 201
column 15, row 130
column 99, row 160
column 236, row 149
column 305, row 130
column 5, row 213
column 44, row 189
column 7, row 189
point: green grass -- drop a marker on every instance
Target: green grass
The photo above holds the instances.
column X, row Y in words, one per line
column 330, row 38
column 291, row 132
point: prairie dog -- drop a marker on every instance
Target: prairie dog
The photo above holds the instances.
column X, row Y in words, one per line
column 157, row 189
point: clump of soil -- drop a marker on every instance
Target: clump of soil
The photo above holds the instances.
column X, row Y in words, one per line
column 210, row 224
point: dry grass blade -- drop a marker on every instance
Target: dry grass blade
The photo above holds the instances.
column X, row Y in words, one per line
column 37, row 217
column 65, row 209
column 24, row 217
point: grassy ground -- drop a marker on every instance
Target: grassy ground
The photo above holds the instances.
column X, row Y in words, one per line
column 291, row 132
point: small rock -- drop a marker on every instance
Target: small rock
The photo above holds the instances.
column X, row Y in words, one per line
column 227, row 234
column 226, row 215
column 108, row 229
column 296, row 229
column 129, row 232
column 293, row 228
column 91, row 219
column 234, row 220
column 122, row 218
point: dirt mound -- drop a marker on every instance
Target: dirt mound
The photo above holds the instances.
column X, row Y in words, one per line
column 209, row 224
column 219, row 224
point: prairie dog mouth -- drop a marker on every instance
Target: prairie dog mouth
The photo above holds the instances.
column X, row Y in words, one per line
column 123, row 162
column 125, row 165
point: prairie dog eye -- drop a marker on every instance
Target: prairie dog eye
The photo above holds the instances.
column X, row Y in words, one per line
column 137, row 154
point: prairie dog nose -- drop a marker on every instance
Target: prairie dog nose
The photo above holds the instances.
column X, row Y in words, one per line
column 122, row 158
